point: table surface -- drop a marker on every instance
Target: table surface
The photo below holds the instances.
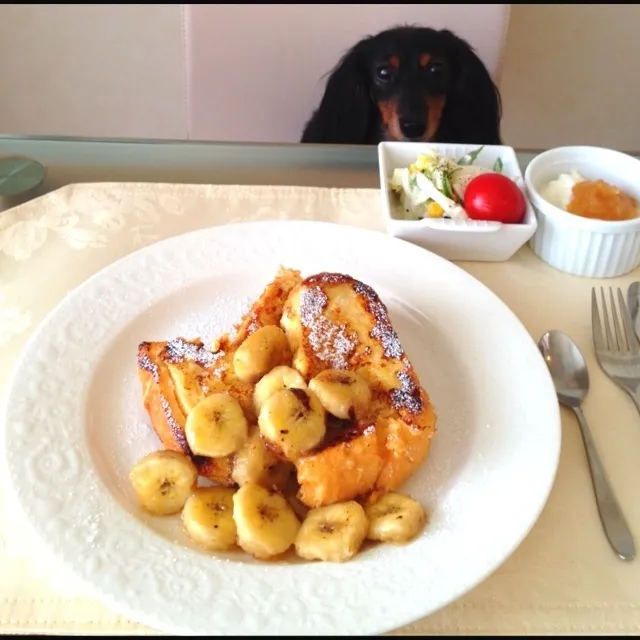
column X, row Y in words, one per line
column 562, row 579
column 72, row 160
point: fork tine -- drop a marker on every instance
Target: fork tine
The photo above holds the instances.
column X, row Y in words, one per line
column 607, row 326
column 632, row 340
column 622, row 344
column 596, row 327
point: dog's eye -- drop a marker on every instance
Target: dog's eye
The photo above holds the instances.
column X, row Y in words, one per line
column 436, row 68
column 384, row 73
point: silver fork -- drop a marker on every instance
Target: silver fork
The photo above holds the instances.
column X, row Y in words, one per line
column 633, row 304
column 617, row 351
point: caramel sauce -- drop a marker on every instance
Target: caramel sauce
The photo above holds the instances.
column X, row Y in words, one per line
column 340, row 431
column 602, row 201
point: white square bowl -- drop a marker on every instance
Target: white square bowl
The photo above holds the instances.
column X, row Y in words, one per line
column 473, row 240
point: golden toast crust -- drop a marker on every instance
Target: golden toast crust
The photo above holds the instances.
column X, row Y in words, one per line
column 332, row 321
column 166, row 412
column 176, row 374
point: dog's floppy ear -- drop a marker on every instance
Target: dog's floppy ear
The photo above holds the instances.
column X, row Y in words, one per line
column 473, row 108
column 346, row 109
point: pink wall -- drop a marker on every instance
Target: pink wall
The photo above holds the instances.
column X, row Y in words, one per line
column 254, row 72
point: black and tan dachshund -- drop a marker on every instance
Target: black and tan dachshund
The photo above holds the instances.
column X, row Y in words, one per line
column 408, row 83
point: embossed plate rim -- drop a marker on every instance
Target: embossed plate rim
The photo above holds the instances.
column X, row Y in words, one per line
column 76, row 519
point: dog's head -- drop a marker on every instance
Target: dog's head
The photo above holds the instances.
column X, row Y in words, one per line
column 409, row 83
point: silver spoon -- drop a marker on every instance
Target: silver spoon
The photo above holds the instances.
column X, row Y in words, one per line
column 571, row 379
column 633, row 303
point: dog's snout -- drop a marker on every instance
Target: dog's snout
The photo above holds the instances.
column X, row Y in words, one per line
column 412, row 128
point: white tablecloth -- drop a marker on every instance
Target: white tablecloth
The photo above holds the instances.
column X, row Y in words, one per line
column 563, row 579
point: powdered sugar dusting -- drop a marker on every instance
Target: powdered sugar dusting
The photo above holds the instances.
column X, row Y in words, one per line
column 245, row 307
column 130, row 431
column 312, row 304
column 329, row 340
column 209, row 322
column 180, row 350
column 147, row 365
column 253, row 327
column 218, row 368
column 382, row 330
column 407, row 396
column 173, row 425
column 331, row 343
column 132, row 434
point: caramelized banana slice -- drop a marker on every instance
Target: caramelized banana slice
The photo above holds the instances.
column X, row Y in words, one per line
column 292, row 422
column 277, row 379
column 208, row 518
column 216, row 426
column 341, row 391
column 263, row 350
column 255, row 463
column 265, row 522
column 333, row 533
column 395, row 518
column 163, row 480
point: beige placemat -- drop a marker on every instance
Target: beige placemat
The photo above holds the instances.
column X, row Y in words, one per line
column 563, row 578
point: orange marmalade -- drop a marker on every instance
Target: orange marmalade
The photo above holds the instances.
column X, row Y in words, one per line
column 598, row 199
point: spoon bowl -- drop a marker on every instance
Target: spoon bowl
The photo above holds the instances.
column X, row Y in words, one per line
column 570, row 376
column 567, row 367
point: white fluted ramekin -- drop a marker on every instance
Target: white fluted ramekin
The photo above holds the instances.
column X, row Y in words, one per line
column 584, row 246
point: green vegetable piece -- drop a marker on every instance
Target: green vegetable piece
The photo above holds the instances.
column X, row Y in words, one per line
column 497, row 167
column 471, row 157
column 447, row 187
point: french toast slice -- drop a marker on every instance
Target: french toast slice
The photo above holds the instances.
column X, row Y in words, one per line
column 176, row 374
column 333, row 321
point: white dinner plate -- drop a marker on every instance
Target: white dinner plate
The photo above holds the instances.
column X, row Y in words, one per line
column 75, row 425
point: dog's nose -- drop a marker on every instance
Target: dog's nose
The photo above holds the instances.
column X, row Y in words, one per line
column 412, row 128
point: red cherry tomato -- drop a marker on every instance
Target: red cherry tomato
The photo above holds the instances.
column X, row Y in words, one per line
column 492, row 196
